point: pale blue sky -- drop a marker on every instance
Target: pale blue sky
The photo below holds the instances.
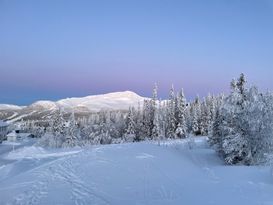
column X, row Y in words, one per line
column 54, row 49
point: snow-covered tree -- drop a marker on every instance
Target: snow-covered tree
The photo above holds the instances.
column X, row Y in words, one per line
column 72, row 133
column 140, row 134
column 196, row 116
column 147, row 119
column 56, row 135
column 242, row 130
column 181, row 127
column 171, row 119
column 156, row 132
column 130, row 134
column 234, row 144
column 58, row 128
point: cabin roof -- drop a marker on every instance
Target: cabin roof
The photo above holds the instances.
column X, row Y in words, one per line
column 22, row 135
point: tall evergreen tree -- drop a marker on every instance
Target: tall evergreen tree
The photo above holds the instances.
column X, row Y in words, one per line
column 181, row 127
column 71, row 134
column 171, row 107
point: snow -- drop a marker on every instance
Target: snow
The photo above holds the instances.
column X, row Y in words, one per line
column 34, row 152
column 110, row 101
column 10, row 143
column 3, row 124
column 12, row 116
column 94, row 103
column 20, row 117
column 10, row 107
column 44, row 104
column 133, row 173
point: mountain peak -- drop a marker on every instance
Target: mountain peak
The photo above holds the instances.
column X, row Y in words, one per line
column 94, row 103
column 115, row 101
column 109, row 101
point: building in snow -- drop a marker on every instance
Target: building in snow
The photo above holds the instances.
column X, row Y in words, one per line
column 15, row 136
column 12, row 137
column 3, row 130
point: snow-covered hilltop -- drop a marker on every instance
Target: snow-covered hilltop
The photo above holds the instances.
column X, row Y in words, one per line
column 110, row 101
column 92, row 103
column 43, row 105
column 10, row 107
column 116, row 101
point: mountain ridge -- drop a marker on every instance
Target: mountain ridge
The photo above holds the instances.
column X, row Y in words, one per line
column 114, row 101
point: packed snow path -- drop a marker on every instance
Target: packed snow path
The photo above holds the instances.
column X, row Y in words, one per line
column 138, row 173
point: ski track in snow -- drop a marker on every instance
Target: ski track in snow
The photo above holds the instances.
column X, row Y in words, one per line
column 81, row 192
column 60, row 170
column 20, row 117
column 12, row 116
column 137, row 176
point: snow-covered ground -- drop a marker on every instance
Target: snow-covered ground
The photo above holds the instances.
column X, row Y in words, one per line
column 128, row 174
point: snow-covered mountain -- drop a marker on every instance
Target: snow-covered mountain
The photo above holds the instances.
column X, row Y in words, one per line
column 10, row 107
column 93, row 103
column 110, row 101
column 44, row 109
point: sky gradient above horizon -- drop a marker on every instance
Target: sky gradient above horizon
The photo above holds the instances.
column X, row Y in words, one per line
column 56, row 49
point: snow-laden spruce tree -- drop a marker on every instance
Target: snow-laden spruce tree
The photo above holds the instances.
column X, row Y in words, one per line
column 171, row 119
column 259, row 118
column 234, row 145
column 130, row 133
column 140, row 135
column 156, row 132
column 216, row 131
column 211, row 106
column 181, row 128
column 147, row 119
column 58, row 129
column 148, row 116
column 207, row 115
column 189, row 118
column 71, row 133
column 163, row 117
column 56, row 133
column 242, row 130
column 204, row 118
column 196, row 116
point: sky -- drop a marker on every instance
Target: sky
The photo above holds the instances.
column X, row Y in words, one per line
column 56, row 49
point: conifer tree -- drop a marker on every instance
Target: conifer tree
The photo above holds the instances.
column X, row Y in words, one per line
column 171, row 114
column 181, row 127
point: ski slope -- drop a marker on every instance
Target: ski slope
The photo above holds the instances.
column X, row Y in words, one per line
column 128, row 174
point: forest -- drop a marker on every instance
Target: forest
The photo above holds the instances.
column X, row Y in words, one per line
column 239, row 125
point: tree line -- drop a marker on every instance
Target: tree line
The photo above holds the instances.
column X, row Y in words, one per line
column 238, row 125
column 153, row 119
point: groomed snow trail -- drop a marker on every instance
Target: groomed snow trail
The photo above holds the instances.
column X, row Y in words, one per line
column 138, row 173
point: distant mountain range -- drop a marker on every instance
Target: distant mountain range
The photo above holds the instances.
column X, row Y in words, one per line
column 10, row 107
column 83, row 105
